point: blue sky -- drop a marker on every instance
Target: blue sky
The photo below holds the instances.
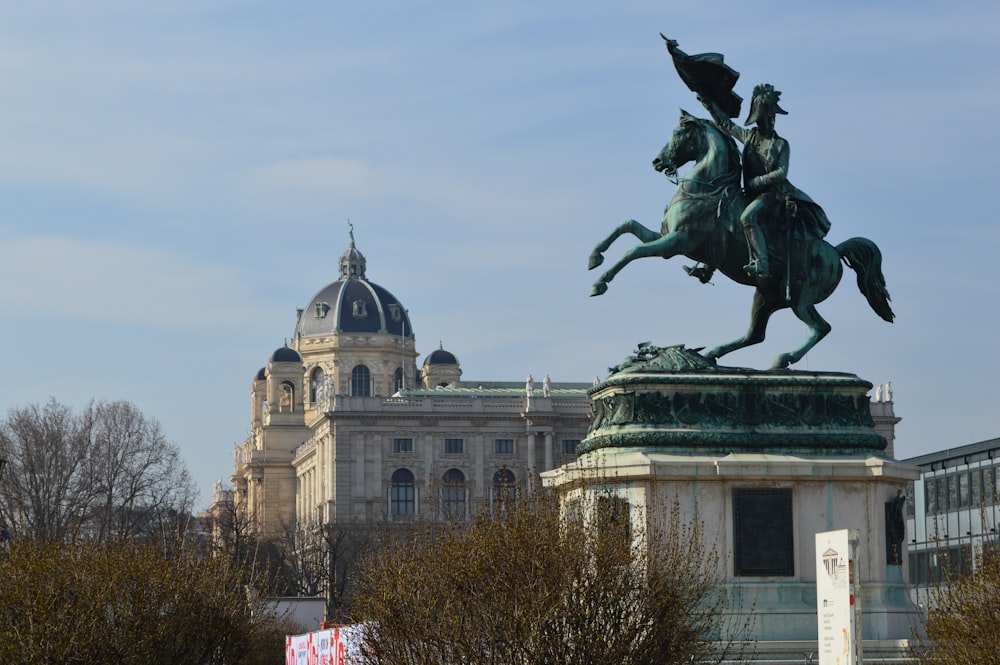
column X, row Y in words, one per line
column 176, row 178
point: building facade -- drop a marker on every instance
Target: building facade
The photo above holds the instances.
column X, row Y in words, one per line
column 952, row 510
column 346, row 428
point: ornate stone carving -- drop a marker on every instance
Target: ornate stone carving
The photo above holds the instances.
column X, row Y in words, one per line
column 672, row 397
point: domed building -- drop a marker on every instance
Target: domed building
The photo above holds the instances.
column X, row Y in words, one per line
column 346, row 429
column 355, row 337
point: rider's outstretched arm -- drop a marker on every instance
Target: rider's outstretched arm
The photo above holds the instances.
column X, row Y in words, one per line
column 741, row 134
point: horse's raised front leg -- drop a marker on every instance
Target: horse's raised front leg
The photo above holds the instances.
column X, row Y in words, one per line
column 666, row 246
column 818, row 329
column 760, row 314
column 628, row 226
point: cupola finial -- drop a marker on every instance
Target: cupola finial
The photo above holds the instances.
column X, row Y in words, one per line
column 352, row 262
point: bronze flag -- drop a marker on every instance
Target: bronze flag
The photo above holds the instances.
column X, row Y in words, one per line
column 707, row 76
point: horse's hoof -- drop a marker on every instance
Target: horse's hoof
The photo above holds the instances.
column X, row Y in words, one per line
column 782, row 361
column 596, row 259
column 599, row 288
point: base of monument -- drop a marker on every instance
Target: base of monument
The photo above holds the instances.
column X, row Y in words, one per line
column 759, row 512
column 784, row 610
column 673, row 398
column 791, row 652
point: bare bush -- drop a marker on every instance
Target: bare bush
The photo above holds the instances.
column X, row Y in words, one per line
column 963, row 621
column 535, row 584
column 89, row 603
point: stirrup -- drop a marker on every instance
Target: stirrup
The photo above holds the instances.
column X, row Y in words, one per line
column 702, row 272
column 756, row 268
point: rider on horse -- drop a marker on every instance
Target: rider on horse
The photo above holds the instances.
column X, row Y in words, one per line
column 697, row 223
column 772, row 199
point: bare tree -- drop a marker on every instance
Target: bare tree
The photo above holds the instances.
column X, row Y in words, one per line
column 345, row 549
column 232, row 532
column 139, row 479
column 46, row 489
column 320, row 559
column 105, row 473
column 235, row 540
column 300, row 548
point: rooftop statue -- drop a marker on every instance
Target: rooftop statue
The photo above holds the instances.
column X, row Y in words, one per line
column 741, row 215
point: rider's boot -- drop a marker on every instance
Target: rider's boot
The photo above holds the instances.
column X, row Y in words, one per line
column 757, row 266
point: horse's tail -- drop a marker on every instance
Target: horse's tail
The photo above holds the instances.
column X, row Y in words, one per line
column 864, row 257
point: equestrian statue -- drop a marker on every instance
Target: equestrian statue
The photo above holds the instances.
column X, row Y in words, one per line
column 739, row 214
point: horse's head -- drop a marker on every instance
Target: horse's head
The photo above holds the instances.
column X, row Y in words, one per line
column 686, row 144
column 696, row 140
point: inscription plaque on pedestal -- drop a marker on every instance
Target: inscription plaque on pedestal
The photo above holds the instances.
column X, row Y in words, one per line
column 762, row 522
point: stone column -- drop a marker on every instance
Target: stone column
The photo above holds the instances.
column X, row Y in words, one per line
column 548, row 452
column 531, row 460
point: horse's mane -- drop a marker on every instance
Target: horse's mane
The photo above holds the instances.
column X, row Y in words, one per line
column 727, row 142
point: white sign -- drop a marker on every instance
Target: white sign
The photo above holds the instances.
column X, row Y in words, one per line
column 838, row 613
column 335, row 646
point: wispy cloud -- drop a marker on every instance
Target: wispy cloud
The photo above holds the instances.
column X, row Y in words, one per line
column 71, row 278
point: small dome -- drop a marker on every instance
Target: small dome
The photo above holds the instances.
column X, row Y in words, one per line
column 286, row 355
column 440, row 357
column 261, row 374
column 353, row 256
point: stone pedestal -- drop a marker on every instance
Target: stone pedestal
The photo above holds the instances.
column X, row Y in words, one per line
column 764, row 460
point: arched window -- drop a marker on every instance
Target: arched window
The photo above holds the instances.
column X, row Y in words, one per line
column 453, row 495
column 397, row 380
column 504, row 489
column 402, row 494
column 286, row 397
column 361, row 382
column 316, row 379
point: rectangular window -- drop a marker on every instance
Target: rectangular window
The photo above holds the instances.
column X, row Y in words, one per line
column 977, row 488
column 503, row 446
column 402, row 500
column 402, row 445
column 952, row 491
column 918, row 568
column 569, row 446
column 930, row 495
column 453, row 496
column 453, row 446
column 963, row 489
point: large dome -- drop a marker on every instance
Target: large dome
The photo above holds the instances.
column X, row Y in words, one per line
column 353, row 304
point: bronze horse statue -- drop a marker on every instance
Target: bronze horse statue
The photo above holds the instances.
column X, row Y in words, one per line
column 702, row 222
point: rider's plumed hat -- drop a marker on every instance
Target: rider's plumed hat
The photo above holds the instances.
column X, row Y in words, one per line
column 765, row 98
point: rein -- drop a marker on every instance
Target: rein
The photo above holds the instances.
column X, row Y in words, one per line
column 719, row 187
column 724, row 182
column 720, row 191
